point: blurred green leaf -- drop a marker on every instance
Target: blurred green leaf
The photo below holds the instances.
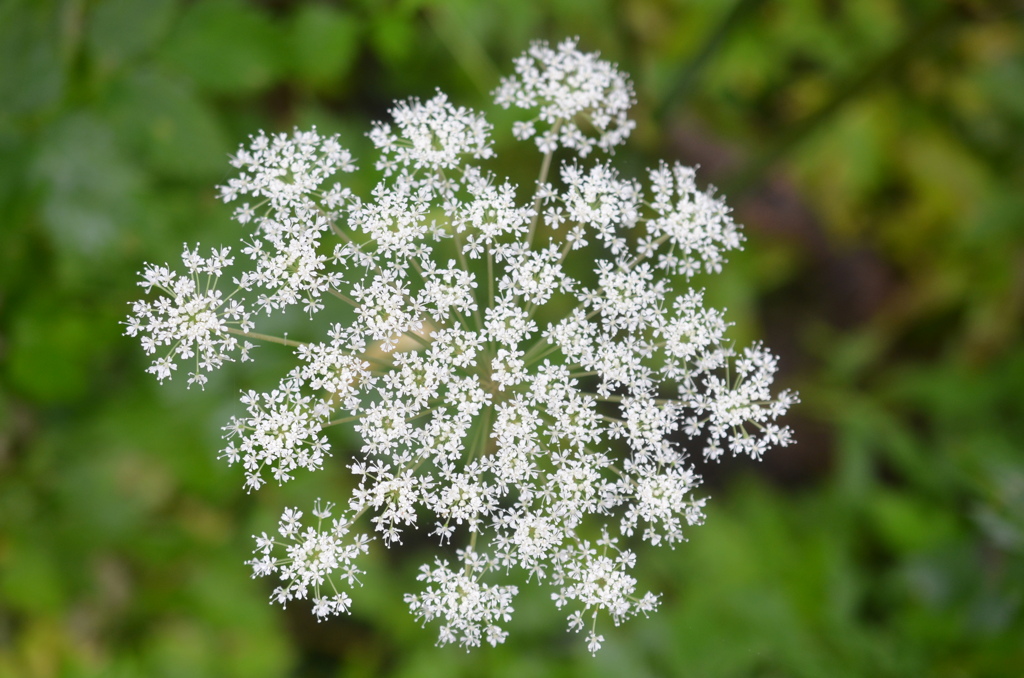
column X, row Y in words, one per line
column 29, row 578
column 51, row 356
column 15, row 151
column 393, row 37
column 324, row 42
column 92, row 189
column 121, row 30
column 16, row 205
column 31, row 72
column 174, row 130
column 226, row 47
column 907, row 524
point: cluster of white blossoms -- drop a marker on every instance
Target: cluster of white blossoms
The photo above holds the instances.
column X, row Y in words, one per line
column 528, row 370
column 567, row 87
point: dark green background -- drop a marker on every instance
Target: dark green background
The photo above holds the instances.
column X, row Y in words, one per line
column 874, row 151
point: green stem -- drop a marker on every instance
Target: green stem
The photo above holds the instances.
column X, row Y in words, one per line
column 266, row 337
column 545, row 168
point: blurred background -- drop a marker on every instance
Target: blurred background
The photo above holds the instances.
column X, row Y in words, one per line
column 874, row 151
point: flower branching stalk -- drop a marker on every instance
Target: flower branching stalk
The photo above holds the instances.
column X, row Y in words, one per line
column 527, row 370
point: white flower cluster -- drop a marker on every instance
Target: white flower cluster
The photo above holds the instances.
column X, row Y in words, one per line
column 527, row 374
column 314, row 555
column 569, row 87
column 191, row 316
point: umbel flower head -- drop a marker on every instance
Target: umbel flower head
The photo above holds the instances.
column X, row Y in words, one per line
column 528, row 368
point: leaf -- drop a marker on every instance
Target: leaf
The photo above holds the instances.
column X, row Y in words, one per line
column 31, row 73
column 324, row 44
column 30, row 580
column 92, row 190
column 393, row 37
column 121, row 30
column 174, row 130
column 53, row 349
column 226, row 47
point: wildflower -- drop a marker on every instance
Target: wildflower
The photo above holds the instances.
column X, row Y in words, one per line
column 527, row 370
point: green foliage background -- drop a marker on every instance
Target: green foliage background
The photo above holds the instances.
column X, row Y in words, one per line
column 874, row 151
